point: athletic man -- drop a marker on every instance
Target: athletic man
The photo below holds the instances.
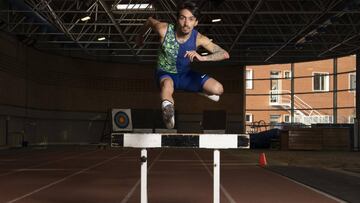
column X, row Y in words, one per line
column 178, row 49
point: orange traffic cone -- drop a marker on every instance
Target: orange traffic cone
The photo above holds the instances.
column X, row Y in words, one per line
column 262, row 160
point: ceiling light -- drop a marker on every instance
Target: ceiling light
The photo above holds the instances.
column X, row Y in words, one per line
column 101, row 38
column 216, row 20
column 133, row 6
column 86, row 18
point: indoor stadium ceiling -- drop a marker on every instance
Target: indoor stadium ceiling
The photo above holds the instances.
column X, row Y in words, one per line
column 252, row 31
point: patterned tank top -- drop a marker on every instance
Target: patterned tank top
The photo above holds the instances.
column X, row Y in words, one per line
column 171, row 54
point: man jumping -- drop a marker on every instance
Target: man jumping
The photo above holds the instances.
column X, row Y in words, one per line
column 178, row 49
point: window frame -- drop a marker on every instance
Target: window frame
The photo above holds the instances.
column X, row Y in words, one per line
column 284, row 120
column 250, row 116
column 327, row 81
column 351, row 119
column 352, row 90
column 290, row 75
column 250, row 80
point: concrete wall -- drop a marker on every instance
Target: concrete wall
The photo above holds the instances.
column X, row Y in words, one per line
column 40, row 127
column 31, row 80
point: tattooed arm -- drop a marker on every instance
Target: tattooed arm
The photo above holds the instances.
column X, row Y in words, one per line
column 217, row 53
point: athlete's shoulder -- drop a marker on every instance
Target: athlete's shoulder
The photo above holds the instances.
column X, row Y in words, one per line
column 201, row 39
column 158, row 26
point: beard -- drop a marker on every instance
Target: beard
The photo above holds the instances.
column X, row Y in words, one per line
column 185, row 30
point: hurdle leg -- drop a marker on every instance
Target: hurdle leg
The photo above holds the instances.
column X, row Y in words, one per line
column 143, row 176
column 216, row 176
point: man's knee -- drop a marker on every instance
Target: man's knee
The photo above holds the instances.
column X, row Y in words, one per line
column 167, row 85
column 218, row 89
column 212, row 86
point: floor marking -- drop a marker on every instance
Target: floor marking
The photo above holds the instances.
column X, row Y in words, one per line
column 339, row 170
column 131, row 192
column 42, row 169
column 308, row 187
column 45, row 163
column 222, row 188
column 63, row 179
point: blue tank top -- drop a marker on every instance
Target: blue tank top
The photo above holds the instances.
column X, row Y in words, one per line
column 171, row 54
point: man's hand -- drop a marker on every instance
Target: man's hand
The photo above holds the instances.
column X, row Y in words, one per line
column 193, row 55
column 139, row 40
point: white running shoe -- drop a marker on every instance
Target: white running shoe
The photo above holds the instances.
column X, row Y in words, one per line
column 213, row 97
column 168, row 116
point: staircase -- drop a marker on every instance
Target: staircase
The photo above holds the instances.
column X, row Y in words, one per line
column 304, row 113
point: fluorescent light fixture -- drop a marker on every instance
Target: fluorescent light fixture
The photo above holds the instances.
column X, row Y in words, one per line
column 86, row 18
column 101, row 38
column 204, row 53
column 133, row 6
column 216, row 20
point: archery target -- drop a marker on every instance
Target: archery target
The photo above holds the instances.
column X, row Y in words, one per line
column 121, row 120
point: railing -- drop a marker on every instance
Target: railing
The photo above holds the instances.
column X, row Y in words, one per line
column 283, row 98
column 257, row 126
column 313, row 119
column 304, row 113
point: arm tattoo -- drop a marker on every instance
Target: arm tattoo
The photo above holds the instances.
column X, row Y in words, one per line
column 217, row 54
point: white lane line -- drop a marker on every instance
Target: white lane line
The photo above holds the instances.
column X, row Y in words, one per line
column 195, row 162
column 222, row 188
column 131, row 192
column 63, row 179
column 339, row 170
column 45, row 163
column 308, row 187
column 42, row 169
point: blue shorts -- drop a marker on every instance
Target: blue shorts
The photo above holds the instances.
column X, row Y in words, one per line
column 188, row 81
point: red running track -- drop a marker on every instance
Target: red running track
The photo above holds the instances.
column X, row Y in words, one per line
column 174, row 176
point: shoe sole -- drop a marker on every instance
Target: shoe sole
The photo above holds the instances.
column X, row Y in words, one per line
column 168, row 116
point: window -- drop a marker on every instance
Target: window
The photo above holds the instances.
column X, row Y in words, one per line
column 274, row 120
column 287, row 74
column 275, row 85
column 248, row 117
column 320, row 81
column 249, row 81
column 351, row 119
column 286, row 118
column 352, row 82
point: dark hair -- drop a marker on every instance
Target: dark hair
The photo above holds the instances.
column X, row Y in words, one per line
column 191, row 6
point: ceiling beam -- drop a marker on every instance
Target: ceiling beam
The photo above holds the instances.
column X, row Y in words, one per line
column 326, row 11
column 243, row 28
column 111, row 16
column 203, row 12
column 339, row 44
column 60, row 23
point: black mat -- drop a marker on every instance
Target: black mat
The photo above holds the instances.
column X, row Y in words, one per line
column 340, row 185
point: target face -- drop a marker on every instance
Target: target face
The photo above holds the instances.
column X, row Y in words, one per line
column 121, row 119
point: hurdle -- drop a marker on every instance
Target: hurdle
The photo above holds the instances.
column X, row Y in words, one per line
column 157, row 140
